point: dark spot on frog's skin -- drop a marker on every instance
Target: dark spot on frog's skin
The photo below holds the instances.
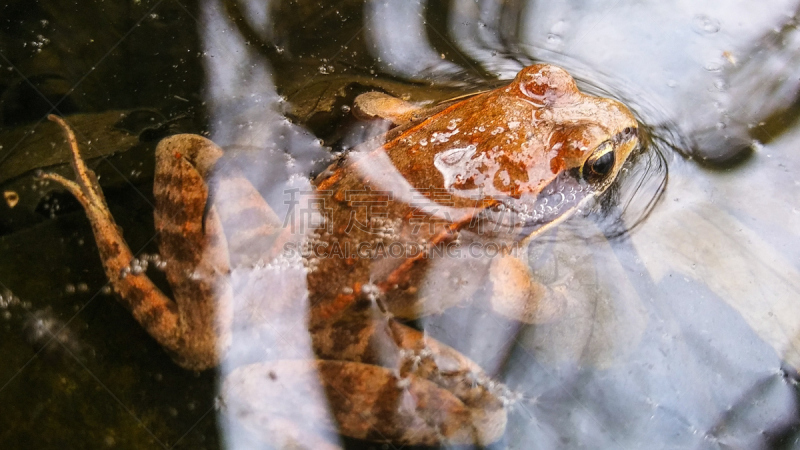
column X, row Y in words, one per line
column 516, row 172
column 162, row 178
column 172, row 207
column 342, row 336
column 134, row 297
column 385, row 412
column 344, row 377
column 361, row 304
column 180, row 249
column 112, row 251
column 151, row 316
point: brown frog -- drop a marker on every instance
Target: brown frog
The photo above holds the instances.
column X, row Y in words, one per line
column 404, row 226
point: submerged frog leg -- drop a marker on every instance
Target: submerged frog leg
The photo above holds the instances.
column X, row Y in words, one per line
column 517, row 295
column 388, row 382
column 236, row 232
column 192, row 242
column 377, row 380
column 190, row 328
column 151, row 308
column 281, row 399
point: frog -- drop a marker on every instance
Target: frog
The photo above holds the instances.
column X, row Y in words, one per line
column 401, row 229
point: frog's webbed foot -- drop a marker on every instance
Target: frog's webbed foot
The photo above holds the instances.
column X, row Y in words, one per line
column 517, row 295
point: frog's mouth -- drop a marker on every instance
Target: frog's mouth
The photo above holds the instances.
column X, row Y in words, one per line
column 534, row 213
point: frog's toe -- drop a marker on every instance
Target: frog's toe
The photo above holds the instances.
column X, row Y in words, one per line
column 85, row 188
column 358, row 400
column 518, row 296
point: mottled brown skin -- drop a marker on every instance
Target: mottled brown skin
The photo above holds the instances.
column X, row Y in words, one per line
column 555, row 129
column 447, row 179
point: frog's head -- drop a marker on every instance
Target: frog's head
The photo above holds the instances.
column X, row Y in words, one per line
column 523, row 156
column 591, row 135
column 560, row 148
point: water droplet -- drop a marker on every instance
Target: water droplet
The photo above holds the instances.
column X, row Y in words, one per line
column 553, row 38
column 703, row 24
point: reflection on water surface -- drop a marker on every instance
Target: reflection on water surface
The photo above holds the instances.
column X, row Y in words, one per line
column 671, row 313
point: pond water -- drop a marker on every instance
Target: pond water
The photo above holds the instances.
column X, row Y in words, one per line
column 678, row 322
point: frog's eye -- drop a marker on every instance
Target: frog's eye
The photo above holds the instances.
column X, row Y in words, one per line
column 600, row 163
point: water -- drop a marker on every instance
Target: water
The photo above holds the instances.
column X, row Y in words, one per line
column 676, row 320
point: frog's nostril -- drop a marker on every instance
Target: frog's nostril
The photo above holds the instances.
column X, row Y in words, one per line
column 626, row 134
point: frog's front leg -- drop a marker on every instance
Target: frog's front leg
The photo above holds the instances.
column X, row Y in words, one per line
column 517, row 294
column 193, row 326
